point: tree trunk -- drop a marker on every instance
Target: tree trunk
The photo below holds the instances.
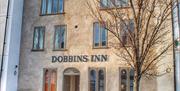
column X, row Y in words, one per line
column 136, row 84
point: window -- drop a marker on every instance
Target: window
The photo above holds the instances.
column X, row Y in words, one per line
column 97, row 79
column 59, row 37
column 126, row 79
column 100, row 36
column 50, row 79
column 125, row 27
column 52, row 7
column 38, row 40
column 113, row 3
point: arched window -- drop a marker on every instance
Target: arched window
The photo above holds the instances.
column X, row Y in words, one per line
column 50, row 79
column 101, row 80
column 97, row 79
column 131, row 79
column 123, row 80
column 92, row 80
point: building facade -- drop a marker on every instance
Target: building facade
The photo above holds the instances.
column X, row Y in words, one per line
column 60, row 51
column 10, row 35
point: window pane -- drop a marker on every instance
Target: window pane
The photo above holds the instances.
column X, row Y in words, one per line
column 46, row 80
column 49, row 8
column 67, row 83
column 55, row 6
column 121, row 3
column 104, row 3
column 60, row 32
column 96, row 34
column 104, row 37
column 43, row 7
column 41, row 38
column 62, row 37
column 131, row 25
column 92, row 80
column 124, row 30
column 57, row 38
column 101, row 80
column 36, row 36
column 61, row 6
column 131, row 79
column 123, row 80
column 53, row 81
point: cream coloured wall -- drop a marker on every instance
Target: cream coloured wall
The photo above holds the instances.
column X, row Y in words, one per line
column 79, row 42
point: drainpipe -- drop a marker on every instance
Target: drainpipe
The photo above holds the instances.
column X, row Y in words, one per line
column 174, row 61
column 4, row 42
column 175, row 53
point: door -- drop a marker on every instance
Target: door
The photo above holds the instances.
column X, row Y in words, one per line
column 71, row 81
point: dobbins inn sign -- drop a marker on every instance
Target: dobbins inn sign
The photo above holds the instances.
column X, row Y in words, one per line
column 80, row 58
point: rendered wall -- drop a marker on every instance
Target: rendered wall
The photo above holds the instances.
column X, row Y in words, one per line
column 79, row 42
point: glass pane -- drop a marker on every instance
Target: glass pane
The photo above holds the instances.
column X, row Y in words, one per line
column 46, row 80
column 67, row 83
column 41, row 38
column 61, row 6
column 131, row 79
column 49, row 7
column 121, row 3
column 104, row 37
column 92, row 80
column 43, row 7
column 55, row 6
column 96, row 34
column 131, row 25
column 62, row 36
column 53, row 81
column 123, row 80
column 36, row 35
column 101, row 80
column 57, row 38
column 104, row 3
column 124, row 33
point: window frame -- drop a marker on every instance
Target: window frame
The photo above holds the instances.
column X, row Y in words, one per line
column 127, row 41
column 127, row 69
column 49, row 81
column 100, row 37
column 52, row 13
column 65, row 38
column 38, row 27
column 96, row 69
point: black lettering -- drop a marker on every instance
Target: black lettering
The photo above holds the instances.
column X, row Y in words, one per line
column 60, row 59
column 54, row 59
column 104, row 57
column 79, row 58
column 97, row 57
column 70, row 58
column 85, row 58
column 65, row 59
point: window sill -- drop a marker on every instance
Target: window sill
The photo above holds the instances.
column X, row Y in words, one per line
column 52, row 14
column 109, row 8
column 37, row 50
column 59, row 50
column 101, row 47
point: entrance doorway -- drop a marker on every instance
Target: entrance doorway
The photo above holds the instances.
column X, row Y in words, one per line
column 71, row 80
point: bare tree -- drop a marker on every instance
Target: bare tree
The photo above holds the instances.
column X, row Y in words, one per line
column 142, row 31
